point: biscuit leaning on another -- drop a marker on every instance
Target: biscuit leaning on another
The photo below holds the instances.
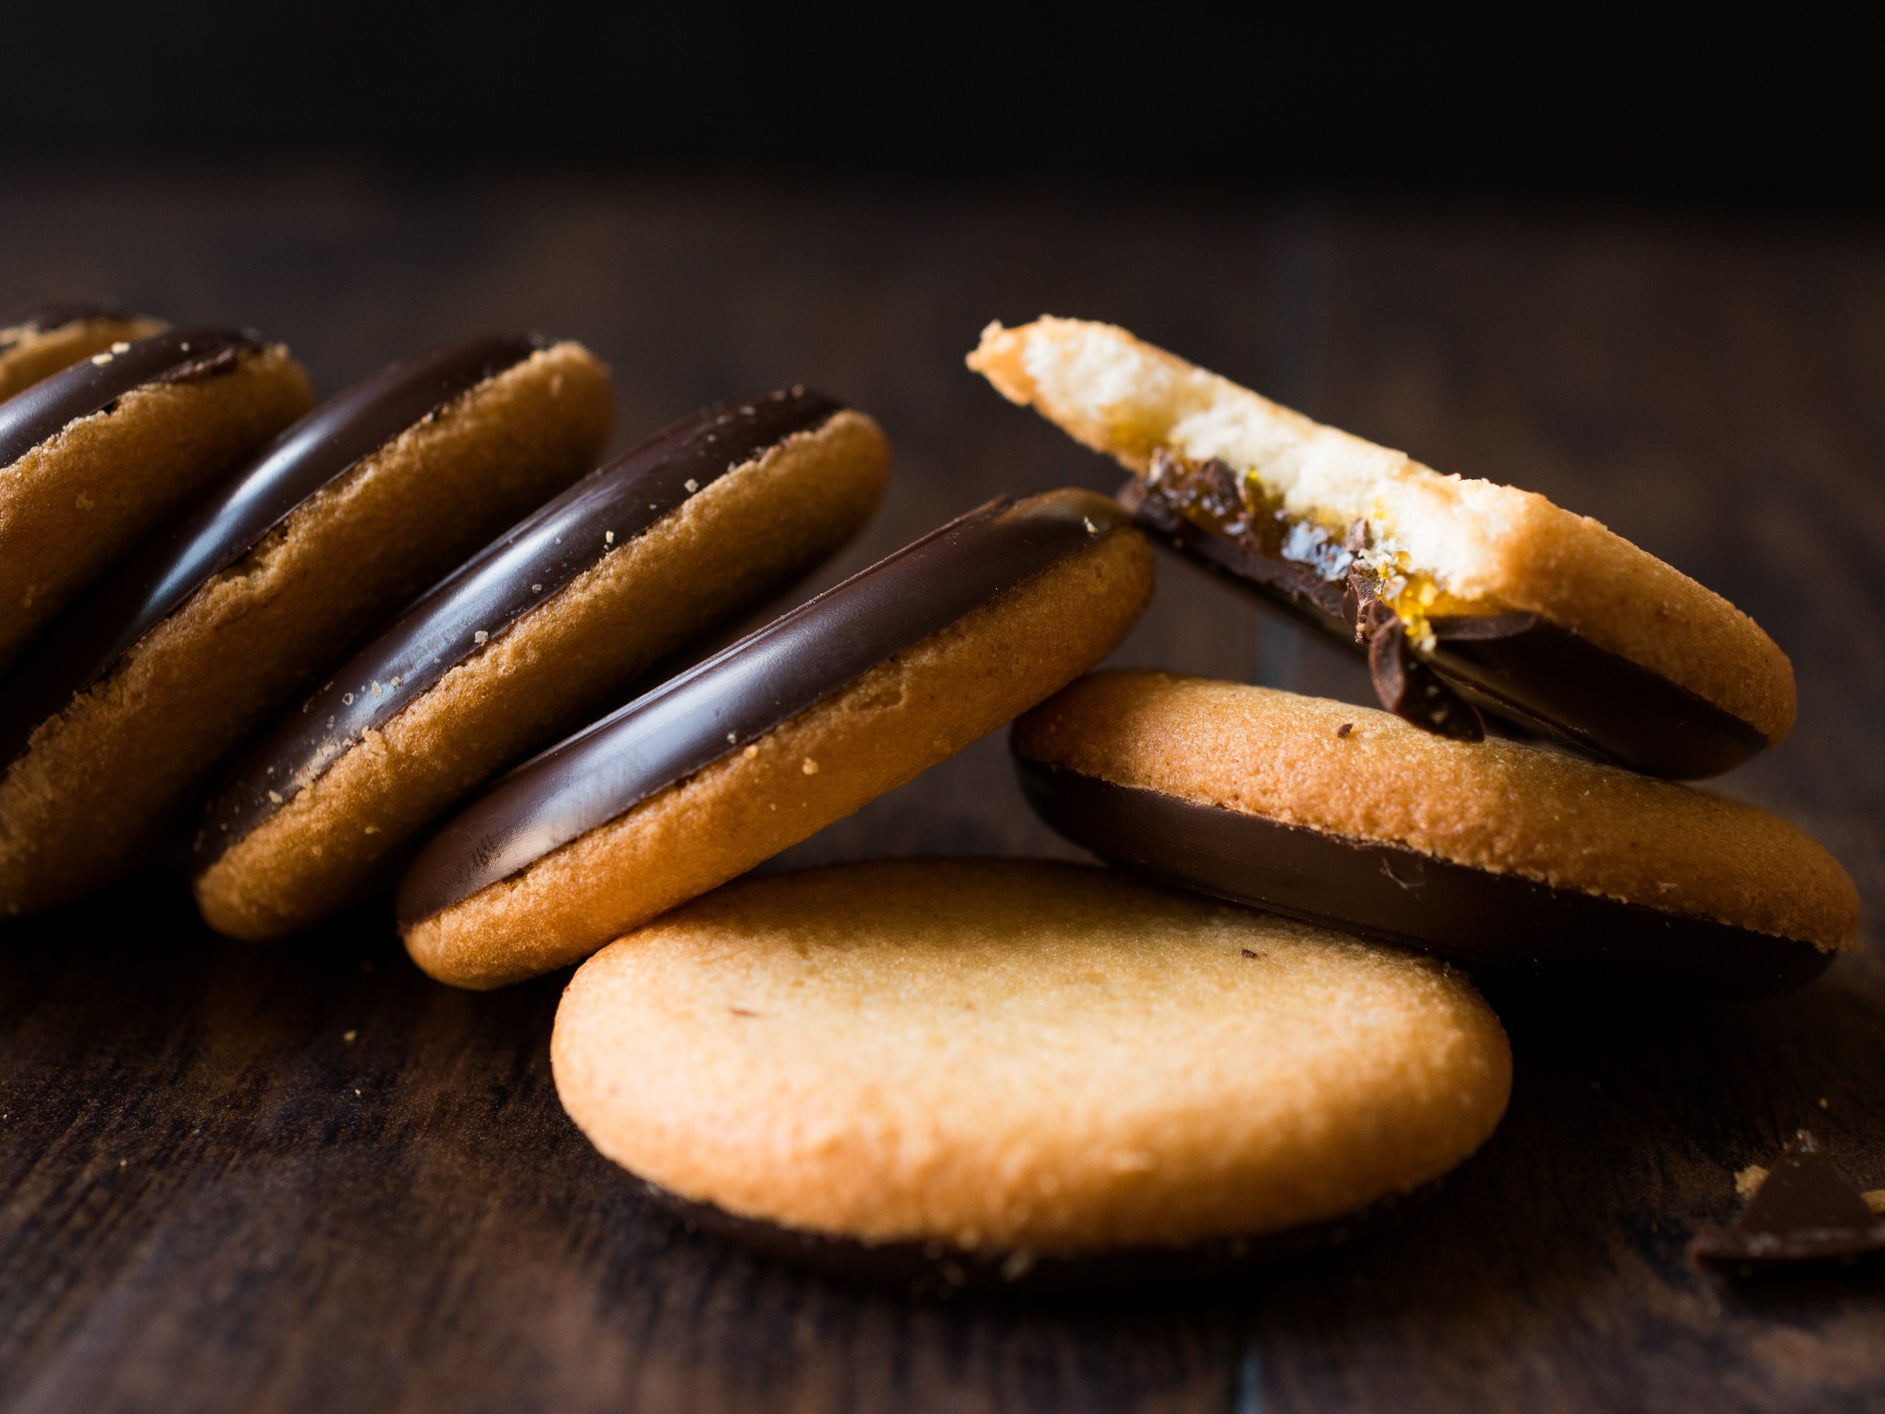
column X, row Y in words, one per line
column 537, row 632
column 1464, row 592
column 95, row 458
column 769, row 741
column 134, row 696
column 1491, row 851
column 997, row 1070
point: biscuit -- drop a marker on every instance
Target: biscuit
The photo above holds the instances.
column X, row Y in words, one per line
column 94, row 459
column 764, row 744
column 137, row 693
column 37, row 342
column 1016, row 1063
column 1490, row 851
column 1464, row 593
column 526, row 641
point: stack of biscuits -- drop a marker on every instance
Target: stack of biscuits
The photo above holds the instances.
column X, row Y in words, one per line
column 399, row 644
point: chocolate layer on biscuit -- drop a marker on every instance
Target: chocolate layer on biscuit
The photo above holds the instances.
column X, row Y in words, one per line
column 741, row 693
column 483, row 598
column 87, row 641
column 92, row 385
column 944, row 1269
column 1401, row 895
column 1518, row 666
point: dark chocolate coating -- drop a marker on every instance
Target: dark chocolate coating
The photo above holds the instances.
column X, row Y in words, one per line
column 86, row 642
column 1400, row 895
column 1805, row 1211
column 525, row 567
column 42, row 411
column 941, row 1269
column 790, row 665
column 1519, row 666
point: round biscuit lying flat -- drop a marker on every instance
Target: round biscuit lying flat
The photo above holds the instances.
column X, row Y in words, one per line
column 95, row 458
column 762, row 745
column 39, row 341
column 1490, row 851
column 530, row 637
column 136, row 694
column 983, row 1070
column 1463, row 594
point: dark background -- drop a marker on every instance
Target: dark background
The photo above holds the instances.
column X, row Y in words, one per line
column 1630, row 268
column 1282, row 100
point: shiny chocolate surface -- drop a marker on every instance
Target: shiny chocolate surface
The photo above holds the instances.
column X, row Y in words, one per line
column 478, row 602
column 769, row 676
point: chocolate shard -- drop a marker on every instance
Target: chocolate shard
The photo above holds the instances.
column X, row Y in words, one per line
column 1805, row 1211
column 1414, row 692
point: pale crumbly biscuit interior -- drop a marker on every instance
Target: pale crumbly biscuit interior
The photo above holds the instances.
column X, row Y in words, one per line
column 913, row 710
column 735, row 540
column 1016, row 1055
column 29, row 354
column 81, row 803
column 1500, row 806
column 1484, row 547
column 79, row 501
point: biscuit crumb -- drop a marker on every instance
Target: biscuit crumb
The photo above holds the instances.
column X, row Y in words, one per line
column 608, row 537
column 348, row 1036
column 1345, row 729
column 809, row 766
column 480, row 637
column 691, row 485
column 120, row 347
column 1749, row 1180
column 274, row 797
column 1823, row 1104
column 101, row 359
column 732, row 737
column 536, row 589
column 347, row 698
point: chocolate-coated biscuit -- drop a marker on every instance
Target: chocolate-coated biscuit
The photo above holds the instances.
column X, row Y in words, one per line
column 139, row 690
column 39, row 341
column 1014, row 1062
column 95, row 458
column 1490, row 851
column 1463, row 594
column 529, row 638
column 760, row 746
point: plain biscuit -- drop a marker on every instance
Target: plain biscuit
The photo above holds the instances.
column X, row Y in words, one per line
column 1020, row 1056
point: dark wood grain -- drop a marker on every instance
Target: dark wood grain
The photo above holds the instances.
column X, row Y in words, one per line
column 303, row 1177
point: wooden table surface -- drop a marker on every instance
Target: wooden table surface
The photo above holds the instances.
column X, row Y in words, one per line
column 304, row 1177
